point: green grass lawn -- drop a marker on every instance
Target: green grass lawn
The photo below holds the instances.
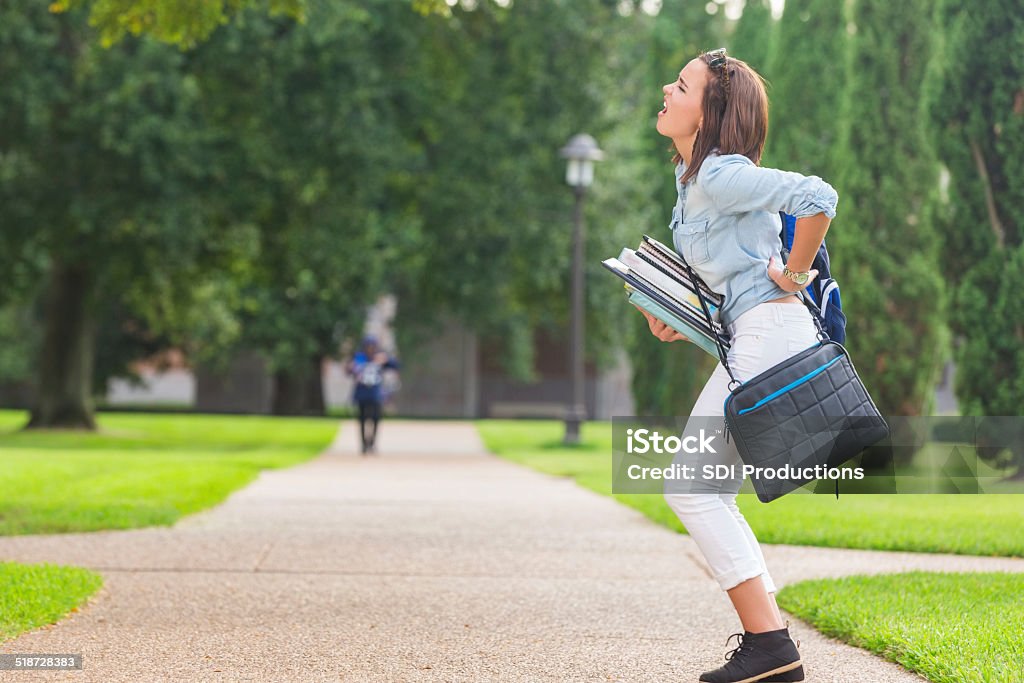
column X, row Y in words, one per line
column 964, row 524
column 139, row 469
column 950, row 628
column 33, row 595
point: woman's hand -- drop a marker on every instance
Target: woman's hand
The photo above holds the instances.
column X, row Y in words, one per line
column 775, row 273
column 660, row 329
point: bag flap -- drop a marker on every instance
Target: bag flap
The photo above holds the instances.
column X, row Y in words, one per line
column 782, row 374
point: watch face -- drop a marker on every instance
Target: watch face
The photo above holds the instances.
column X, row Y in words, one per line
column 799, row 278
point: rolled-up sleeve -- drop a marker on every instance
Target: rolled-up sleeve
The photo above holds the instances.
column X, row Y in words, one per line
column 736, row 185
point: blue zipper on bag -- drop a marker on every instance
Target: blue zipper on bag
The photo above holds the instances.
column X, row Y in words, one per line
column 791, row 385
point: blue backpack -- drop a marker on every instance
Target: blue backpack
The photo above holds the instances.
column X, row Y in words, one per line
column 823, row 290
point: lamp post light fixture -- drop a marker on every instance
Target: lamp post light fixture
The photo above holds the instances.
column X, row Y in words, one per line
column 581, row 152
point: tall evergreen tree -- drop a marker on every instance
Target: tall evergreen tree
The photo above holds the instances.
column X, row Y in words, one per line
column 887, row 179
column 667, row 378
column 975, row 95
column 806, row 71
column 754, row 35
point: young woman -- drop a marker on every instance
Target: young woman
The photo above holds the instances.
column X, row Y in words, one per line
column 726, row 226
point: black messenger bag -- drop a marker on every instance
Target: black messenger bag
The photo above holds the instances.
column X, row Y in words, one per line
column 809, row 410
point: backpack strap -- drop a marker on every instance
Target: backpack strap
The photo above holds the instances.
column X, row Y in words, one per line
column 784, row 235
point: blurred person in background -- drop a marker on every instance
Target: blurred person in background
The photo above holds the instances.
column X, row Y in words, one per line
column 367, row 366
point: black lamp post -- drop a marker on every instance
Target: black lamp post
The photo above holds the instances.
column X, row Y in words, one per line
column 581, row 151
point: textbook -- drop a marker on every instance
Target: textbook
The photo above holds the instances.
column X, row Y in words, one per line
column 680, row 294
column 658, row 283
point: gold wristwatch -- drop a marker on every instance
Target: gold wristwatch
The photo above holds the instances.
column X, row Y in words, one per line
column 799, row 278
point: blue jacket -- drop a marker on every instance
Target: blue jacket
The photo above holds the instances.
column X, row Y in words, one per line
column 726, row 224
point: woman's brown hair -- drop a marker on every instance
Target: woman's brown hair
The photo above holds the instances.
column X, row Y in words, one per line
column 736, row 123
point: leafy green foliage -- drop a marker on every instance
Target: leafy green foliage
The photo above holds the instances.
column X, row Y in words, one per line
column 304, row 122
column 754, row 38
column 975, row 99
column 18, row 336
column 119, row 136
column 887, row 179
column 487, row 103
column 187, row 23
column 262, row 188
column 179, row 22
column 807, row 74
column 667, row 378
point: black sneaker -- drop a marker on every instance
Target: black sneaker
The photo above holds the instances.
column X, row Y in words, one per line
column 790, row 676
column 759, row 657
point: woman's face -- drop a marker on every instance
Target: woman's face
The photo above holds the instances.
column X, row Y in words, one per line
column 683, row 101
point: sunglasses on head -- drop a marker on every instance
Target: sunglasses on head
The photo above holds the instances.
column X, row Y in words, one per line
column 716, row 59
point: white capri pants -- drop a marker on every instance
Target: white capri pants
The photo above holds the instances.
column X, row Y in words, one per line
column 763, row 336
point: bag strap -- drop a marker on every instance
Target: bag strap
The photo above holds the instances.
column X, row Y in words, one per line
column 697, row 282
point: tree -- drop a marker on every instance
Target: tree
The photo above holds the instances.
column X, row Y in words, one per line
column 305, row 115
column 887, row 179
column 754, row 35
column 104, row 166
column 496, row 93
column 807, row 73
column 187, row 23
column 667, row 378
column 18, row 336
column 976, row 101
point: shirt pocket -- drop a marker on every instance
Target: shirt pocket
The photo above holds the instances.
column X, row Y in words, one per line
column 691, row 240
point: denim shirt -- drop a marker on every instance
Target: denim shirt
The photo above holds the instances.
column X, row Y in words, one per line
column 726, row 225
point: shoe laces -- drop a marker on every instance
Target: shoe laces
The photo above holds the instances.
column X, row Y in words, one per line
column 740, row 648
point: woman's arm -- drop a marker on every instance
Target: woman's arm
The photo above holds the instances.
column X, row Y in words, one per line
column 736, row 185
column 807, row 238
column 808, row 235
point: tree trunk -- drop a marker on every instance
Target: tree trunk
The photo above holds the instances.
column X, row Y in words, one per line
column 64, row 395
column 299, row 391
column 315, row 388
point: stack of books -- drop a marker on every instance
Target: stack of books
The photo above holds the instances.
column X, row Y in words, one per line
column 657, row 282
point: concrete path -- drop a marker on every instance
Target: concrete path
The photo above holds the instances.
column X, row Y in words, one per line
column 431, row 562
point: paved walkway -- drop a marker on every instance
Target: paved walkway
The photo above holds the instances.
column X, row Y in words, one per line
column 431, row 562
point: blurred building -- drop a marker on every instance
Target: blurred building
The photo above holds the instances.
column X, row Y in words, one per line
column 464, row 378
column 455, row 376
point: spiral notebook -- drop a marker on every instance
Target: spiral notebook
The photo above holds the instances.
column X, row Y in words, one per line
column 658, row 283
